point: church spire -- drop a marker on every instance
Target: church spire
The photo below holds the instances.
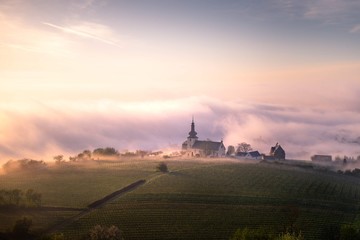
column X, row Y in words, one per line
column 192, row 133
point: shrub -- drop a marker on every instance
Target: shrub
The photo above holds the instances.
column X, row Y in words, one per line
column 105, row 233
column 21, row 228
column 251, row 234
column 290, row 236
column 162, row 167
column 349, row 232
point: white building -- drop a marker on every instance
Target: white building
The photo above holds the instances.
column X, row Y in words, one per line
column 196, row 148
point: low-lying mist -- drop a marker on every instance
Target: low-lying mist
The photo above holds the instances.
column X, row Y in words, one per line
column 42, row 131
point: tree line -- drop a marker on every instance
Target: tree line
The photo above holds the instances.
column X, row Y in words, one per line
column 24, row 164
column 104, row 153
column 18, row 198
column 22, row 230
column 241, row 147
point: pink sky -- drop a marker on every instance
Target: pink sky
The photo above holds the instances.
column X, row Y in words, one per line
column 63, row 64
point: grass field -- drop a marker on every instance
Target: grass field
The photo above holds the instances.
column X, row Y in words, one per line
column 196, row 200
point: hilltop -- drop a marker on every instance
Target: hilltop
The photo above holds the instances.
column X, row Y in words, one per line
column 194, row 200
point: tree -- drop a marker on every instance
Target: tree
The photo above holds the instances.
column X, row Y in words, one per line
column 162, row 167
column 230, row 150
column 21, row 228
column 243, row 147
column 24, row 164
column 33, row 198
column 15, row 197
column 87, row 154
column 109, row 151
column 349, row 232
column 142, row 153
column 105, row 233
column 59, row 159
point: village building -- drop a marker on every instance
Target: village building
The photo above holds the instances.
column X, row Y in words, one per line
column 321, row 158
column 198, row 148
column 253, row 155
column 249, row 155
column 276, row 153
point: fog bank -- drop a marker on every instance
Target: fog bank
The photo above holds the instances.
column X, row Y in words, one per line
column 41, row 131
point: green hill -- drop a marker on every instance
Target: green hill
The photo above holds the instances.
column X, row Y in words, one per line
column 198, row 200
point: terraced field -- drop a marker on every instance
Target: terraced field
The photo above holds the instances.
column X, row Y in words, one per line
column 198, row 200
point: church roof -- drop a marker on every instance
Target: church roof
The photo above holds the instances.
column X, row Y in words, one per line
column 207, row 145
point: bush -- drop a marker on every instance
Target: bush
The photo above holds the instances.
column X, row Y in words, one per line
column 349, row 232
column 290, row 236
column 105, row 233
column 251, row 234
column 162, row 167
column 22, row 228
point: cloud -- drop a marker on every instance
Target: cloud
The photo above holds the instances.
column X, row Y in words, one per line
column 86, row 4
column 88, row 30
column 70, row 127
column 54, row 9
column 355, row 29
column 18, row 35
column 326, row 11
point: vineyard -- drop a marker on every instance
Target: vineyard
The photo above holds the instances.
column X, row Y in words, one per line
column 195, row 200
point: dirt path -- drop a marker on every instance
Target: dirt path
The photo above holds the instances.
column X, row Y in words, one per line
column 95, row 205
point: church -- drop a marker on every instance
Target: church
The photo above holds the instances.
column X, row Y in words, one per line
column 197, row 148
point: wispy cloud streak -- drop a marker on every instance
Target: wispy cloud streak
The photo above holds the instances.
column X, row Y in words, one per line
column 337, row 12
column 82, row 34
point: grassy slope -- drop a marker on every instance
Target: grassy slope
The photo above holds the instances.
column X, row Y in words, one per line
column 70, row 186
column 196, row 200
column 211, row 201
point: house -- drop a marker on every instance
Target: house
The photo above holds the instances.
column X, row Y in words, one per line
column 253, row 155
column 198, row 148
column 249, row 155
column 276, row 152
column 321, row 158
column 241, row 154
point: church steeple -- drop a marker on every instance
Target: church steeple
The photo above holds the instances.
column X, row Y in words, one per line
column 193, row 133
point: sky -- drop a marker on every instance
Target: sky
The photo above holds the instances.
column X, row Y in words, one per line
column 84, row 74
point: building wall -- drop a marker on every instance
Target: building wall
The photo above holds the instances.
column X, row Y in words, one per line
column 193, row 152
column 191, row 142
column 321, row 158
